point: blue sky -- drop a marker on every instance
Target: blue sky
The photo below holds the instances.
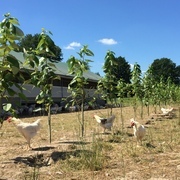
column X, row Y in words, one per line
column 138, row 30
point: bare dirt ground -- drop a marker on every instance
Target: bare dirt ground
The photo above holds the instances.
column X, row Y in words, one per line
column 158, row 157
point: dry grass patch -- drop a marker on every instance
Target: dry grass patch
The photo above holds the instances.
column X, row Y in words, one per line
column 113, row 155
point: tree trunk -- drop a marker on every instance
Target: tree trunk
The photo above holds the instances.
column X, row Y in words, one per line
column 49, row 123
column 148, row 109
column 135, row 108
column 179, row 115
column 141, row 109
column 122, row 121
column 82, row 118
column 1, row 120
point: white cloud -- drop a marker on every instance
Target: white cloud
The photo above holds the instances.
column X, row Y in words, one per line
column 107, row 41
column 73, row 45
column 69, row 47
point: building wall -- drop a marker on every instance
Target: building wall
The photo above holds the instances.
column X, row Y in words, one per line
column 58, row 92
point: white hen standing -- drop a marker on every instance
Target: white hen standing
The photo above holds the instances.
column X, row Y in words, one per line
column 139, row 130
column 28, row 130
column 106, row 123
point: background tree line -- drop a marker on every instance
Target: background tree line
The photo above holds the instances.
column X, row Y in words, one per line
column 30, row 42
column 161, row 68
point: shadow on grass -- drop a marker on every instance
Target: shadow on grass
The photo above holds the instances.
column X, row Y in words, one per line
column 149, row 145
column 119, row 137
column 58, row 155
column 43, row 148
column 40, row 160
column 37, row 160
column 103, row 133
column 74, row 142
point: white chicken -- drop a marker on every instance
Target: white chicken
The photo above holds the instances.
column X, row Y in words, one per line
column 28, row 130
column 139, row 131
column 106, row 123
column 166, row 111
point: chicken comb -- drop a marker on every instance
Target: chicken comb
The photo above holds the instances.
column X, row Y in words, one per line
column 9, row 119
column 132, row 123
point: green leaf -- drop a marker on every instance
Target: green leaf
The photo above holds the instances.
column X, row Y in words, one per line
column 7, row 107
column 18, row 31
column 11, row 92
column 4, row 68
column 50, row 32
column 40, row 101
column 15, row 70
column 7, row 15
column 5, row 52
column 2, row 40
column 13, row 61
column 14, row 21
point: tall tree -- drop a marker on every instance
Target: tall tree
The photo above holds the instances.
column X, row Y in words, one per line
column 164, row 68
column 30, row 42
column 122, row 70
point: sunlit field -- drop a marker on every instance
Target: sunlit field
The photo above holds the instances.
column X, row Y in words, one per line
column 113, row 155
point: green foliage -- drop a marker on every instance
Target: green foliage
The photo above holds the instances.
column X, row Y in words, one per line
column 30, row 42
column 77, row 67
column 165, row 68
column 177, row 75
column 107, row 85
column 122, row 70
column 115, row 69
column 136, row 80
column 137, row 88
column 110, row 61
column 10, row 74
column 7, row 107
column 9, row 33
column 43, row 73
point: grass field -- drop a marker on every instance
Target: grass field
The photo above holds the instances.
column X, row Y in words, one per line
column 110, row 156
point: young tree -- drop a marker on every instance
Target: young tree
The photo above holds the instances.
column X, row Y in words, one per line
column 176, row 98
column 10, row 74
column 77, row 67
column 122, row 90
column 107, row 86
column 43, row 74
column 148, row 83
column 137, row 86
